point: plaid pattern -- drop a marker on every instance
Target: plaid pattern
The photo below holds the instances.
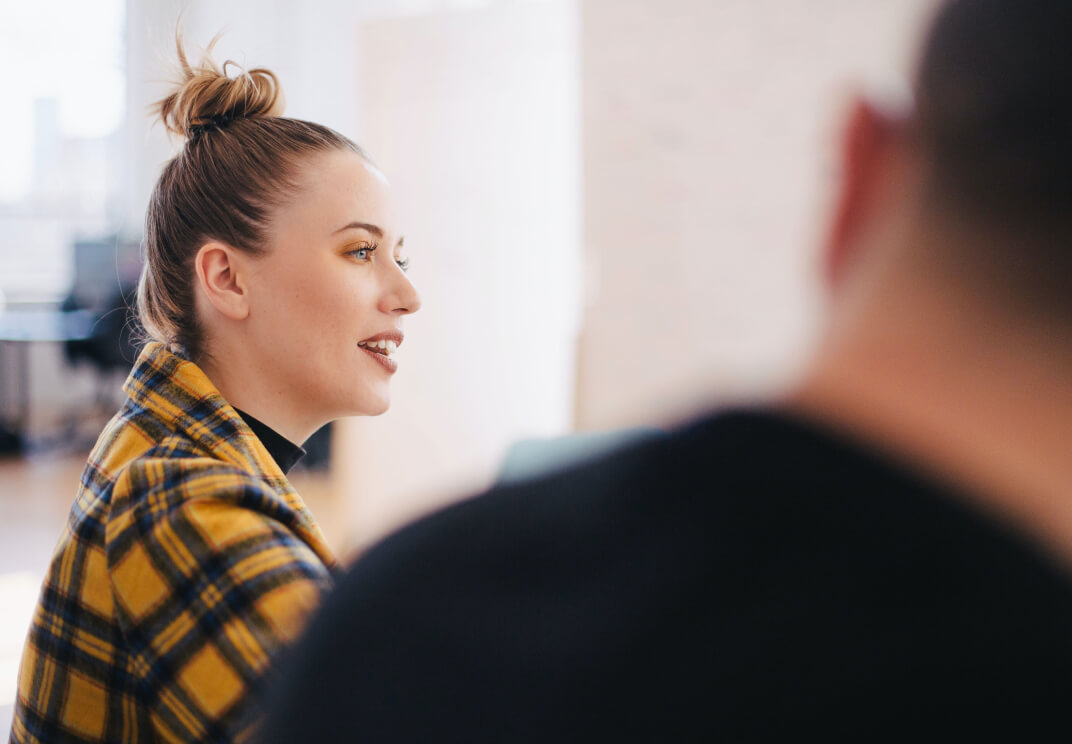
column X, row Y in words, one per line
column 188, row 560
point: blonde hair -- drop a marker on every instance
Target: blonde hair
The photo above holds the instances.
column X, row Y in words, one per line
column 239, row 163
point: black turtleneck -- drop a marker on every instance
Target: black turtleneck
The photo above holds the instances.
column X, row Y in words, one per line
column 285, row 453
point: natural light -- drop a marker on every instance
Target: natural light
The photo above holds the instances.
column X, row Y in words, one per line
column 65, row 51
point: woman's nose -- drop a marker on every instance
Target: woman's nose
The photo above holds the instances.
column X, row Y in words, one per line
column 402, row 297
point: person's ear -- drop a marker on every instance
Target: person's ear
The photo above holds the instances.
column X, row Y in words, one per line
column 865, row 148
column 217, row 268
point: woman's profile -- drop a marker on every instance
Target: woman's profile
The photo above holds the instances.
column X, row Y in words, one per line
column 272, row 293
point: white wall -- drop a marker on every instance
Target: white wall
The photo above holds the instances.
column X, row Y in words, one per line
column 707, row 162
column 474, row 117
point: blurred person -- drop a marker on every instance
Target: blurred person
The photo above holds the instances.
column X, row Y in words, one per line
column 882, row 553
column 273, row 293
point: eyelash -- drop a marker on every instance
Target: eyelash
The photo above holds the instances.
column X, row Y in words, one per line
column 370, row 248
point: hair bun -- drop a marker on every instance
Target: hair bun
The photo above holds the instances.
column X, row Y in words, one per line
column 205, row 96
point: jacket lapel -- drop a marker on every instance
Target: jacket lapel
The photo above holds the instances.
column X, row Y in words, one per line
column 179, row 394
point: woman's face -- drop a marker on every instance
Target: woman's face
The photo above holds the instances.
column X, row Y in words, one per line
column 332, row 283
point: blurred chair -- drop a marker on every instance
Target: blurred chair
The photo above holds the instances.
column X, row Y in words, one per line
column 110, row 347
column 105, row 284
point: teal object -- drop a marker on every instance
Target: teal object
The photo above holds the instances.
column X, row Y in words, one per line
column 530, row 458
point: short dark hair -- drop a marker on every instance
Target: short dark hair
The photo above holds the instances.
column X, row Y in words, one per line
column 994, row 117
column 994, row 101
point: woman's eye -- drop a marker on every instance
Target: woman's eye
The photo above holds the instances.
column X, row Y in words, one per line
column 403, row 263
column 364, row 253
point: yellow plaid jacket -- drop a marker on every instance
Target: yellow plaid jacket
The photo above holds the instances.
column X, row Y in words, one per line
column 187, row 562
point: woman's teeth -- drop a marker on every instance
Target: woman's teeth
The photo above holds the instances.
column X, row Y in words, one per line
column 387, row 348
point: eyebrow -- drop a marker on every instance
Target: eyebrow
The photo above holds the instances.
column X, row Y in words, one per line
column 361, row 226
column 368, row 227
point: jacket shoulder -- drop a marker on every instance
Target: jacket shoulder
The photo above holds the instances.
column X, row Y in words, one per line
column 173, row 477
column 211, row 580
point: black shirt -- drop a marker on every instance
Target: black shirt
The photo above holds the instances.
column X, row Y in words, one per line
column 285, row 453
column 751, row 577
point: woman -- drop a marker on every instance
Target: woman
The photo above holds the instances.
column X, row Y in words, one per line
column 273, row 291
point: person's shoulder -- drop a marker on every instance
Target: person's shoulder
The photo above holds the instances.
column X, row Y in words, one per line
column 740, row 479
column 616, row 579
column 176, row 468
column 603, row 504
column 173, row 481
column 167, row 505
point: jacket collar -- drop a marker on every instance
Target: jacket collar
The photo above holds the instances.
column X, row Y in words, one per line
column 179, row 394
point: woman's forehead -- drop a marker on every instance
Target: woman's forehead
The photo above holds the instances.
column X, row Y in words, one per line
column 340, row 189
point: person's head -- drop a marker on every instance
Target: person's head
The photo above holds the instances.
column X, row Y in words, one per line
column 271, row 245
column 981, row 161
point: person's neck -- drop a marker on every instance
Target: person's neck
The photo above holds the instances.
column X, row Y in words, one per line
column 247, row 388
column 976, row 400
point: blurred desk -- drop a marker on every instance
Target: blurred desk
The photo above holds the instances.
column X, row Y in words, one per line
column 19, row 329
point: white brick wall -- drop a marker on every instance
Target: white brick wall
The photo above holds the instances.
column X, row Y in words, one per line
column 707, row 163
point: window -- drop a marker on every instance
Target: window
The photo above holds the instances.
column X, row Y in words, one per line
column 62, row 77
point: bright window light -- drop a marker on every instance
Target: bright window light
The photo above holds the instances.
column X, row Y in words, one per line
column 63, row 56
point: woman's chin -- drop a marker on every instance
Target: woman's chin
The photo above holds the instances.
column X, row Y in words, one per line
column 372, row 406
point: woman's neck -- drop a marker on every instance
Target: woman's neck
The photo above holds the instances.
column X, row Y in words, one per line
column 261, row 396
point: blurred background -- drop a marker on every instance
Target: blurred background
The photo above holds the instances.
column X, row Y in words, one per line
column 613, row 210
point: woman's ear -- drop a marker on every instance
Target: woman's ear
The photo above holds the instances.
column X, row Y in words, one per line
column 217, row 267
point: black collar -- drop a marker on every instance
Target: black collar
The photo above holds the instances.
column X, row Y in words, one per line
column 285, row 453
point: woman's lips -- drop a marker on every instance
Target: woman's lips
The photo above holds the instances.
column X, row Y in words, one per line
column 385, row 361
